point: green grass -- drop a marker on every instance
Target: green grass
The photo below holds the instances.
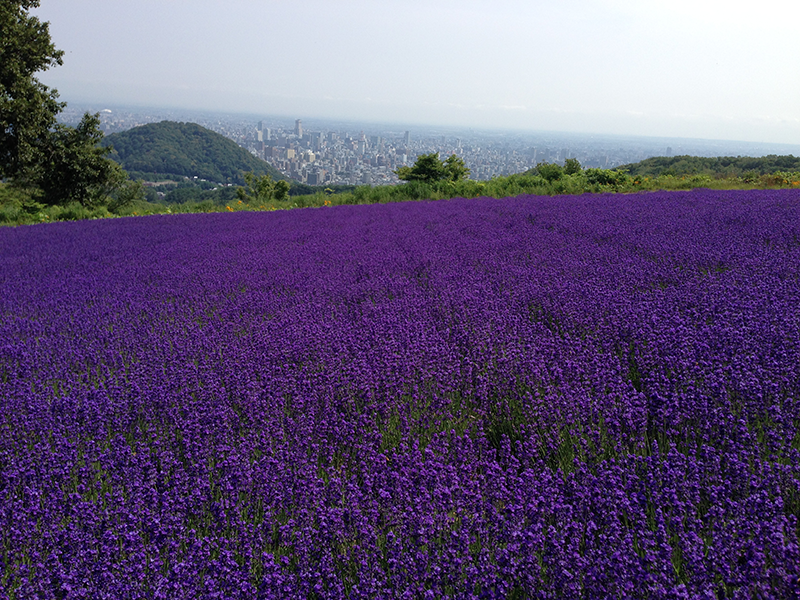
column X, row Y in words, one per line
column 19, row 207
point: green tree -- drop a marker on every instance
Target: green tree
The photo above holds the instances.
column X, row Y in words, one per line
column 550, row 171
column 572, row 166
column 262, row 189
column 428, row 168
column 63, row 162
column 28, row 108
column 455, row 169
column 74, row 167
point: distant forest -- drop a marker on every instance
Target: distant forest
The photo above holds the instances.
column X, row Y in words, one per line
column 185, row 149
column 720, row 166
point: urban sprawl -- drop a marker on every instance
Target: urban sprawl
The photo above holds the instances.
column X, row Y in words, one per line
column 347, row 153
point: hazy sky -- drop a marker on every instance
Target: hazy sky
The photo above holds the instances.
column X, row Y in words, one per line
column 682, row 68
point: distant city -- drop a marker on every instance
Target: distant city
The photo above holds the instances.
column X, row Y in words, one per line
column 319, row 152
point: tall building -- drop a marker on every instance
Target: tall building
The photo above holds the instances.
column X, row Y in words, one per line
column 298, row 128
column 407, row 138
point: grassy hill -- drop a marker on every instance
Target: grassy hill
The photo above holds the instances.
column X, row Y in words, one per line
column 727, row 166
column 185, row 149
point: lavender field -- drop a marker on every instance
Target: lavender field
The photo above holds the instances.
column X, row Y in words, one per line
column 590, row 396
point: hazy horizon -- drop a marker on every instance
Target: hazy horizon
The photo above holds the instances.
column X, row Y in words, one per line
column 614, row 67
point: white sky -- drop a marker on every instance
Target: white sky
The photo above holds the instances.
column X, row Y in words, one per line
column 675, row 68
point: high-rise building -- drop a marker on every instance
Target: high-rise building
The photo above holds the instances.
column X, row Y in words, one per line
column 407, row 138
column 298, row 128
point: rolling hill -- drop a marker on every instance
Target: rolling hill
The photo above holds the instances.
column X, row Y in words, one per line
column 185, row 149
column 717, row 165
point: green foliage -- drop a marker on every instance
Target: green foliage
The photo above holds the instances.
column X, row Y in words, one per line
column 28, row 109
column 18, row 206
column 281, row 192
column 303, row 189
column 606, row 177
column 128, row 194
column 717, row 166
column 262, row 189
column 185, row 149
column 428, row 168
column 64, row 163
column 190, row 193
column 572, row 166
column 74, row 168
column 455, row 169
column 549, row 171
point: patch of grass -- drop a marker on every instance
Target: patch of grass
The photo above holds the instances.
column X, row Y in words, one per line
column 19, row 207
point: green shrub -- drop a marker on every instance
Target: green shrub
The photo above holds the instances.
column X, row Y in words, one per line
column 549, row 171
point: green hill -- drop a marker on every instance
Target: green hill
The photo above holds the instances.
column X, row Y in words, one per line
column 717, row 165
column 185, row 149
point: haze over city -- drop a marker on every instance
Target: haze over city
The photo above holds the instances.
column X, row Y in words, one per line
column 678, row 69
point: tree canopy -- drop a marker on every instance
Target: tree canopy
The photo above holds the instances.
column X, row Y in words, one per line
column 262, row 189
column 429, row 168
column 28, row 108
column 63, row 163
column 75, row 167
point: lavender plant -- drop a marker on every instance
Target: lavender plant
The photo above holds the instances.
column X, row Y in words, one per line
column 589, row 396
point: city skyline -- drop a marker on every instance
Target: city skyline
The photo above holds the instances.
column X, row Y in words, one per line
column 666, row 69
column 319, row 152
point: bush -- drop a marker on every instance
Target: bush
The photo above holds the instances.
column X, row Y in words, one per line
column 549, row 171
column 605, row 177
column 572, row 166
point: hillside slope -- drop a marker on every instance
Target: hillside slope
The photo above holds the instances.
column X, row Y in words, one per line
column 185, row 149
column 717, row 165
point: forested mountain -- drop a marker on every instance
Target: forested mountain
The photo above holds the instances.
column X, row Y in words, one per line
column 717, row 165
column 185, row 149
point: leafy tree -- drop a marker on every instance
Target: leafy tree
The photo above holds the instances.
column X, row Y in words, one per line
column 262, row 189
column 74, row 168
column 455, row 169
column 65, row 163
column 28, row 108
column 428, row 168
column 549, row 171
column 572, row 166
column 616, row 177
